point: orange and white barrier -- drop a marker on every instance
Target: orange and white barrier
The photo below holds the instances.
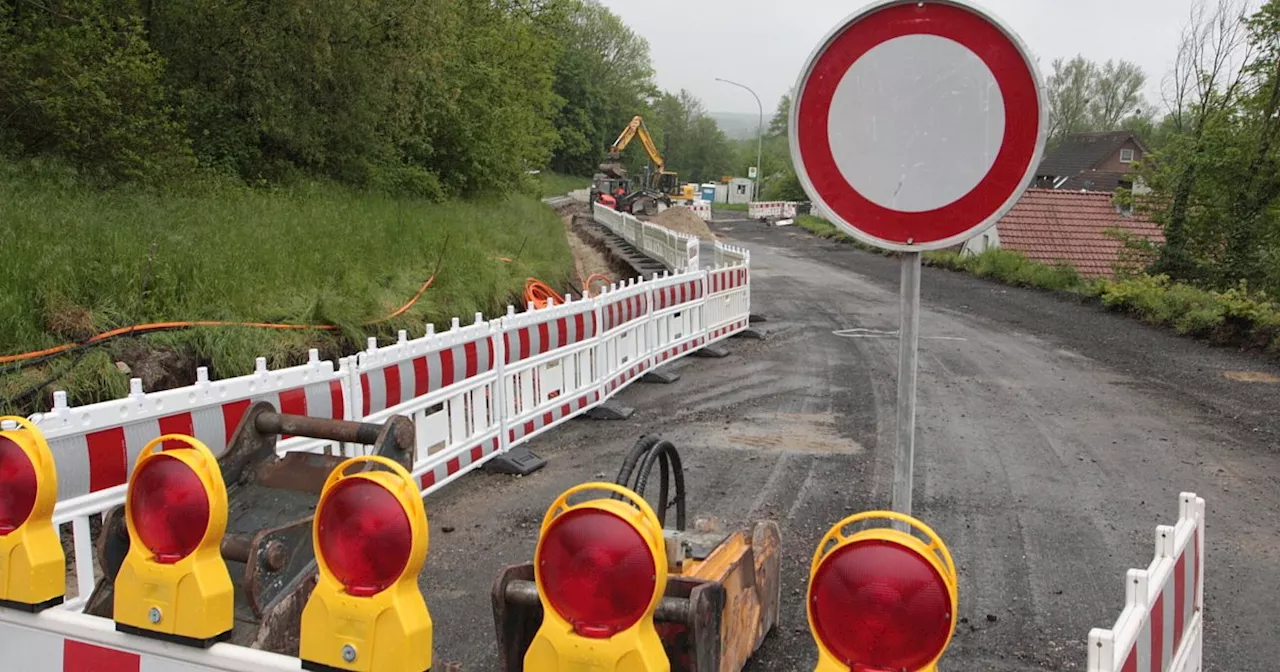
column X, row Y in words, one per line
column 1162, row 626
column 776, row 209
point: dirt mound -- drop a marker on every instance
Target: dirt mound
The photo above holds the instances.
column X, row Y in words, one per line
column 682, row 220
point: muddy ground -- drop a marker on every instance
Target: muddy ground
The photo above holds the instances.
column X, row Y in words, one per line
column 1053, row 437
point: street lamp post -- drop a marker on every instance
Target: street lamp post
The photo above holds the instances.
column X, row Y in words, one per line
column 755, row 185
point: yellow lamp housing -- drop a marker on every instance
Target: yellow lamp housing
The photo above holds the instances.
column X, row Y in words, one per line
column 601, row 570
column 173, row 583
column 33, row 566
column 370, row 533
column 903, row 583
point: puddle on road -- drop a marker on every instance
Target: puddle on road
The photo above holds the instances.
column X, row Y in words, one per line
column 1252, row 377
column 804, row 433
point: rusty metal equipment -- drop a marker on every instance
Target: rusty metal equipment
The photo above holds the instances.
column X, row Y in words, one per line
column 723, row 588
column 272, row 499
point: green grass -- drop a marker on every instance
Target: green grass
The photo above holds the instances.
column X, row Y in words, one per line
column 1011, row 268
column 730, row 207
column 79, row 261
column 557, row 184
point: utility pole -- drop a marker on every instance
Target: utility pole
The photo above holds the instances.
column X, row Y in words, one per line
column 755, row 184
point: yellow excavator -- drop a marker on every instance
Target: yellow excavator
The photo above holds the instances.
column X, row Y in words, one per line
column 613, row 187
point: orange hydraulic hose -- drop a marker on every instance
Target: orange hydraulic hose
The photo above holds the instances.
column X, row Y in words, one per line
column 538, row 292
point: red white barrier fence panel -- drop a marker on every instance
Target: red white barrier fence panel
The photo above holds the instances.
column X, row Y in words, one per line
column 679, row 303
column 783, row 209
column 549, row 368
column 625, row 351
column 447, row 384
column 678, row 251
column 1162, row 626
column 702, row 209
column 55, row 640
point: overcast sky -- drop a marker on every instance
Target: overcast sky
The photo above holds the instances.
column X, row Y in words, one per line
column 764, row 43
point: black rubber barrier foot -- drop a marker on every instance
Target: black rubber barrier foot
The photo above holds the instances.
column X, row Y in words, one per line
column 193, row 642
column 660, row 377
column 519, row 461
column 749, row 333
column 712, row 352
column 757, row 317
column 32, row 608
column 610, row 410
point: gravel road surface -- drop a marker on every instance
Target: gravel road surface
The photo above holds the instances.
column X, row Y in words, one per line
column 1052, row 438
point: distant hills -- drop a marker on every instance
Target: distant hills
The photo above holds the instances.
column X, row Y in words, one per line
column 737, row 125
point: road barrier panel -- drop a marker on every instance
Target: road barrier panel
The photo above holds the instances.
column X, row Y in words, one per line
column 702, row 209
column 728, row 308
column 448, row 384
column 1161, row 628
column 549, row 372
column 625, row 351
column 776, row 209
column 679, row 301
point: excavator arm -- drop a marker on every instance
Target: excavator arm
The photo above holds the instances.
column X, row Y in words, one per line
column 637, row 127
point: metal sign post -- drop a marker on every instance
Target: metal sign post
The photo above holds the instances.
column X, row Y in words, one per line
column 917, row 124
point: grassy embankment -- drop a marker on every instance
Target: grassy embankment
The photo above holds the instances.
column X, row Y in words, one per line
column 1237, row 317
column 730, row 207
column 81, row 261
column 557, row 184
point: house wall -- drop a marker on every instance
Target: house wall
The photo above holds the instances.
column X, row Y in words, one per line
column 982, row 242
column 1113, row 165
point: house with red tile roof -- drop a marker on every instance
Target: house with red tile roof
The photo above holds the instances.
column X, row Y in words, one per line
column 1076, row 227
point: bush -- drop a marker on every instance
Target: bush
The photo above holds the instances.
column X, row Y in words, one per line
column 1234, row 316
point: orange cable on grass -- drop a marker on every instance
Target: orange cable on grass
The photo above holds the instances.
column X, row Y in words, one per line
column 538, row 292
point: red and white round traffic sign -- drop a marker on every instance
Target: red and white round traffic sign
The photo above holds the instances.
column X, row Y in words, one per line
column 917, row 124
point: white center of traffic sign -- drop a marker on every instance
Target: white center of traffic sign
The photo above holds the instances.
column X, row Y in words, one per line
column 916, row 123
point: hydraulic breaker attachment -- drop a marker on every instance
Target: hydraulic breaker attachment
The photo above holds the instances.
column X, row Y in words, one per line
column 271, row 503
column 722, row 591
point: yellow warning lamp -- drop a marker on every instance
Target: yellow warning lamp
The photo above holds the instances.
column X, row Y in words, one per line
column 33, row 567
column 601, row 570
column 881, row 599
column 174, row 584
column 370, row 534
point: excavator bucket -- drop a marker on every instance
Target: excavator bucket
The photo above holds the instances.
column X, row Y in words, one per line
column 722, row 592
column 271, row 503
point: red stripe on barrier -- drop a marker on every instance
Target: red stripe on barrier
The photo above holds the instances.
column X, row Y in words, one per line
column 421, row 377
column 337, row 407
column 472, row 353
column 446, row 368
column 85, row 657
column 1131, row 663
column 231, row 414
column 293, row 402
column 1179, row 597
column 544, row 338
column 477, row 453
column 453, row 466
column 364, row 389
column 428, row 479
column 179, row 423
column 108, row 459
column 391, row 378
column 548, row 418
column 1157, row 633
column 580, row 327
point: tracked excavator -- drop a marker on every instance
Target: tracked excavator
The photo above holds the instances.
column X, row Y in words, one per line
column 615, row 188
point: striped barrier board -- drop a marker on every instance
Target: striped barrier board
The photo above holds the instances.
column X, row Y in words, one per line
column 1161, row 628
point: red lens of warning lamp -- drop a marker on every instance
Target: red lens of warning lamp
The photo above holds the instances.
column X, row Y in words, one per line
column 597, row 572
column 18, row 486
column 879, row 606
column 882, row 599
column 170, row 508
column 365, row 537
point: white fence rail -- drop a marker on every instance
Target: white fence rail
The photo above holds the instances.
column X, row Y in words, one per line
column 678, row 251
column 473, row 392
column 1161, row 628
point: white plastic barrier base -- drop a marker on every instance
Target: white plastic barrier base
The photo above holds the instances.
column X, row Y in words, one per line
column 1162, row 626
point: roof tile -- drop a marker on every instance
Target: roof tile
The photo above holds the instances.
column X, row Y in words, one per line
column 1049, row 226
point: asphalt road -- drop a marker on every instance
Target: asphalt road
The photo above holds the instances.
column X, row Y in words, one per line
column 1052, row 438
